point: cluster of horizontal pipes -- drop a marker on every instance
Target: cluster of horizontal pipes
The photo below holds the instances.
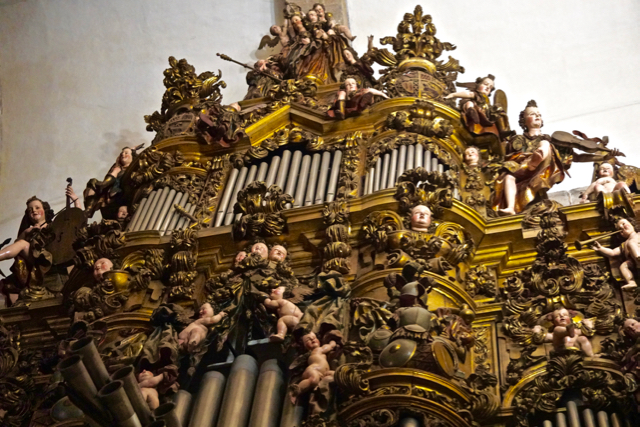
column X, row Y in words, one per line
column 158, row 212
column 310, row 179
column 388, row 168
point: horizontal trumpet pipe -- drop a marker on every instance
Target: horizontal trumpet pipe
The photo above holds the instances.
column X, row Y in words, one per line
column 582, row 243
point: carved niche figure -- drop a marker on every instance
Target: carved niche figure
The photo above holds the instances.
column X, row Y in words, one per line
column 194, row 335
column 352, row 101
column 479, row 115
column 106, row 195
column 566, row 334
column 605, row 183
column 533, row 164
column 629, row 251
column 289, row 314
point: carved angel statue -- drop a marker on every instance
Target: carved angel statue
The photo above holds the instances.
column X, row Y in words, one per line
column 479, row 115
column 289, row 314
column 191, row 337
column 628, row 252
column 566, row 334
column 352, row 101
column 317, row 365
column 606, row 183
column 152, row 385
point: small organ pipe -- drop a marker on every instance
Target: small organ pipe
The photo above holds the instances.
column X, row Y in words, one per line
column 333, row 178
column 253, row 171
column 153, row 200
column 146, row 212
column 385, row 171
column 603, row 419
column 547, row 423
column 572, row 414
column 411, row 152
column 273, row 171
column 182, row 400
column 240, row 184
column 402, row 161
column 313, row 179
column 168, row 203
column 440, row 168
column 238, row 394
column 409, row 422
column 434, row 164
column 176, row 215
column 391, row 178
column 183, row 219
column 367, row 180
column 226, row 196
column 167, row 413
column 376, row 180
column 372, row 177
column 427, row 160
column 262, row 172
column 587, row 416
column 267, row 400
column 321, row 188
column 561, row 420
column 292, row 179
column 301, row 185
column 283, row 170
column 137, row 215
column 156, row 211
column 167, row 219
column 615, row 420
column 207, row 403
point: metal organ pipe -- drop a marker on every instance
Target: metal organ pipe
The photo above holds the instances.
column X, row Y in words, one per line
column 376, row 182
column 153, row 200
column 587, row 416
column 313, row 179
column 301, row 186
column 273, row 171
column 175, row 217
column 385, row 171
column 183, row 219
column 156, row 211
column 207, row 402
column 419, row 156
column 240, row 184
column 267, row 400
column 402, row 162
column 372, row 177
column 391, row 178
column 182, row 400
column 170, row 214
column 262, row 172
column 561, row 420
column 434, row 164
column 440, row 168
column 335, row 174
column 251, row 177
column 427, row 160
column 165, row 209
column 367, row 180
column 238, row 394
column 226, row 196
column 603, row 420
column 321, row 188
column 281, row 177
column 572, row 414
column 290, row 188
column 138, row 214
column 411, row 151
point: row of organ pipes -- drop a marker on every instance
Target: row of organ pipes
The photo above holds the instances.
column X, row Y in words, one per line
column 574, row 417
column 310, row 178
column 390, row 166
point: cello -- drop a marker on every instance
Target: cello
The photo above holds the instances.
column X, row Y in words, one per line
column 65, row 226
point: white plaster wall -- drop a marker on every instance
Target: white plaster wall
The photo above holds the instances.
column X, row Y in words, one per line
column 77, row 76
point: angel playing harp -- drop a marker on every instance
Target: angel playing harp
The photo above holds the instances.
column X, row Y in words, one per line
column 479, row 115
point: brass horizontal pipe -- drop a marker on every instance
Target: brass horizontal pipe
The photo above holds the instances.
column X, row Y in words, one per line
column 580, row 244
column 117, row 403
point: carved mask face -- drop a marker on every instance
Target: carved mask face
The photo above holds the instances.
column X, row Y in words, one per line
column 35, row 210
column 532, row 118
column 100, row 266
column 260, row 249
column 310, row 341
column 420, row 218
column 626, row 227
column 206, row 310
column 605, row 170
column 471, row 156
column 278, row 253
column 486, row 86
column 561, row 317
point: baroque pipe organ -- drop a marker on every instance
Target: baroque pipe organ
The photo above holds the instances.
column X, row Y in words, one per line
column 337, row 249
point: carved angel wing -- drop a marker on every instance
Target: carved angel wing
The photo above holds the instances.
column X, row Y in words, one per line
column 300, row 292
column 268, row 41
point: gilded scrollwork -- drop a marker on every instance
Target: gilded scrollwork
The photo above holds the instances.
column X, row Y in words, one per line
column 388, row 143
column 285, row 136
column 153, row 164
column 184, row 256
column 261, row 211
column 98, row 240
column 422, row 119
column 480, row 282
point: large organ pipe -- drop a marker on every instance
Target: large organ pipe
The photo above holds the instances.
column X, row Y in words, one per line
column 419, row 156
column 267, row 400
column 153, row 200
column 385, row 171
column 411, row 151
column 376, row 181
column 290, row 188
column 572, row 414
column 136, row 217
column 281, row 177
column 238, row 394
column 603, row 419
column 273, row 171
column 86, row 348
column 313, row 179
column 251, row 177
column 615, row 420
column 175, row 217
column 427, row 160
column 402, row 162
column 182, row 400
column 321, row 188
column 292, row 414
column 391, row 179
column 172, row 211
column 372, row 177
column 587, row 416
column 226, row 196
column 156, row 211
column 131, row 387
column 207, row 403
column 301, row 186
column 262, row 172
column 561, row 420
column 333, row 178
column 168, row 203
column 115, row 399
column 240, row 184
column 367, row 180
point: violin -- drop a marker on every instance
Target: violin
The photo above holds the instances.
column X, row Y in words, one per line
column 584, row 143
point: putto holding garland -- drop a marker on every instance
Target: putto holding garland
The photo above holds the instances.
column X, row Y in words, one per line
column 361, row 241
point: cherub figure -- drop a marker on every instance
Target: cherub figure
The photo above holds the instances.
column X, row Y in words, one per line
column 240, row 256
column 629, row 251
column 317, row 365
column 605, row 183
column 278, row 253
column 472, row 156
column 565, row 333
column 352, row 101
column 260, row 249
column 289, row 314
column 192, row 336
column 420, row 218
column 148, row 383
column 101, row 266
column 322, row 16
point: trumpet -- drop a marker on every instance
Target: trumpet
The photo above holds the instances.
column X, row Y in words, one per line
column 580, row 244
